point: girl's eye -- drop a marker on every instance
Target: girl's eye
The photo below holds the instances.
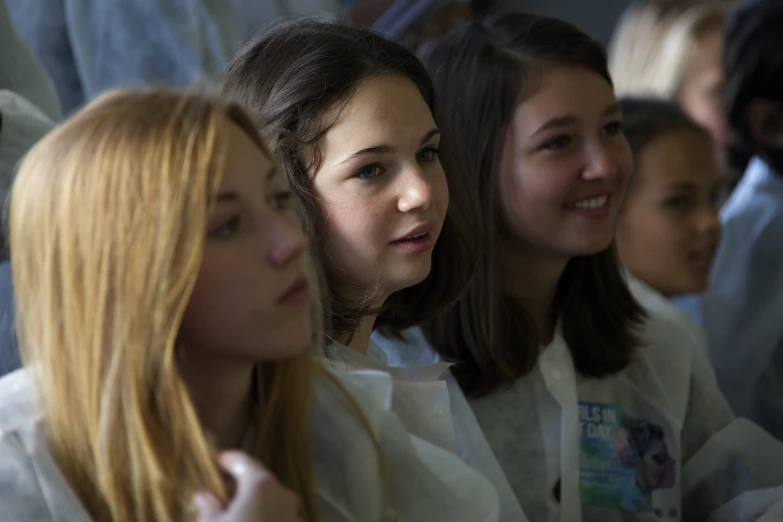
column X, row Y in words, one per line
column 369, row 172
column 676, row 202
column 558, row 143
column 282, row 200
column 227, row 229
column 429, row 155
column 613, row 129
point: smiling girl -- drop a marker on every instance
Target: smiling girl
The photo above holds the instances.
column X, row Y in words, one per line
column 594, row 411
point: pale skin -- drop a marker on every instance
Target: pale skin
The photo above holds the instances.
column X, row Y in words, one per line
column 254, row 253
column 669, row 230
column 243, row 312
column 259, row 496
column 564, row 147
column 379, row 180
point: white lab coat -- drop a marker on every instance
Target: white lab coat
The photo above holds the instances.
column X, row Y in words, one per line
column 412, row 357
column 423, row 402
column 655, row 442
column 348, row 483
column 742, row 311
column 420, row 397
column 655, row 302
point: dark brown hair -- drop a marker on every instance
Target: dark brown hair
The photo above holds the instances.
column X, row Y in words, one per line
column 645, row 119
column 482, row 71
column 754, row 68
column 296, row 78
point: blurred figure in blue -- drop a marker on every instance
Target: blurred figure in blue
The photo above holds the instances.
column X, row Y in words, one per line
column 28, row 108
column 742, row 311
column 89, row 47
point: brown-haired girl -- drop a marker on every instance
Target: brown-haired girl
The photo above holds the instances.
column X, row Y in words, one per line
column 594, row 410
column 352, row 117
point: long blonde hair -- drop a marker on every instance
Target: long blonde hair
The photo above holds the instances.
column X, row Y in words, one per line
column 653, row 42
column 107, row 230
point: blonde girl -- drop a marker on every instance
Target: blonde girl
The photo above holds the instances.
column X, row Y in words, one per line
column 164, row 313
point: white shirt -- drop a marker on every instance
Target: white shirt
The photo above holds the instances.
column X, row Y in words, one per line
column 425, row 483
column 423, row 403
column 420, row 398
column 742, row 311
column 413, row 353
column 655, row 302
column 656, row 441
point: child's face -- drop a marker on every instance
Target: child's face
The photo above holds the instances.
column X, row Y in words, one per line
column 668, row 231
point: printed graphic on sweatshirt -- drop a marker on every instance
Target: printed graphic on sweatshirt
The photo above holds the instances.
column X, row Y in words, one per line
column 624, row 461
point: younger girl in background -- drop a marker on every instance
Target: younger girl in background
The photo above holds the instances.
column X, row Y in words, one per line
column 351, row 116
column 668, row 229
column 594, row 410
column 163, row 301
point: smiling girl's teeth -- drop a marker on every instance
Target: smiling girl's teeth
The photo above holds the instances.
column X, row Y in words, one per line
column 591, row 203
column 415, row 236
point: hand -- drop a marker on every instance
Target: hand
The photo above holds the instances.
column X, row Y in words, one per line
column 259, row 496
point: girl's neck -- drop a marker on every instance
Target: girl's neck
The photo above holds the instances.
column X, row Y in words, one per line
column 531, row 278
column 221, row 393
column 360, row 340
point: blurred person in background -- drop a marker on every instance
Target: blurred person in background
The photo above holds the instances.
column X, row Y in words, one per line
column 28, row 103
column 668, row 229
column 21, row 72
column 28, row 108
column 89, row 47
column 414, row 22
column 672, row 49
column 742, row 311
